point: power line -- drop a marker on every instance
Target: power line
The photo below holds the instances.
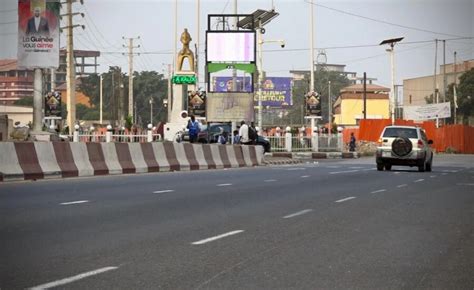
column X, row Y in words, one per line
column 380, row 21
column 8, row 10
column 9, row 22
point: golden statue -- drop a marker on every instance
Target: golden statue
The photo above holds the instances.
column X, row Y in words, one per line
column 185, row 51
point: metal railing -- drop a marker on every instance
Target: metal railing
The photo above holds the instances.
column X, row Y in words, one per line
column 109, row 137
column 315, row 143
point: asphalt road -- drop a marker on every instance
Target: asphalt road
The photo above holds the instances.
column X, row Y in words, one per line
column 333, row 224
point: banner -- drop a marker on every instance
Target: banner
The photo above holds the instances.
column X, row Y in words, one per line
column 197, row 103
column 223, row 107
column 52, row 105
column 38, row 34
column 313, row 104
column 427, row 112
column 276, row 91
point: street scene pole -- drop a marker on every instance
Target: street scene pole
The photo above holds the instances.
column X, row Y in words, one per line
column 392, row 99
column 38, row 100
column 101, row 99
column 311, row 37
column 260, row 73
column 70, row 71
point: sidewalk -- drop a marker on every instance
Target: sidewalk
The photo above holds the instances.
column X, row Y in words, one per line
column 278, row 158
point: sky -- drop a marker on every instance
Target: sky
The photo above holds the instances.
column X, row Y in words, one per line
column 337, row 26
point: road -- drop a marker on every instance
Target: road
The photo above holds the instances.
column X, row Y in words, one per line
column 330, row 224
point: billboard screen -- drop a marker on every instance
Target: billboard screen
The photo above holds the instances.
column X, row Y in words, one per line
column 276, row 91
column 38, row 33
column 224, row 107
column 230, row 46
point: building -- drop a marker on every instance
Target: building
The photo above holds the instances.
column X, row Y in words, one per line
column 349, row 106
column 16, row 83
column 21, row 114
column 81, row 98
column 302, row 74
column 415, row 90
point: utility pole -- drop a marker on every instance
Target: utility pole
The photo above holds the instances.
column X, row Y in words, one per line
column 70, row 69
column 151, row 110
column 311, row 40
column 198, row 28
column 445, row 81
column 329, row 108
column 101, row 99
column 169, row 101
column 234, row 71
column 391, row 50
column 130, row 73
column 38, row 100
column 365, row 95
column 455, row 95
column 435, row 69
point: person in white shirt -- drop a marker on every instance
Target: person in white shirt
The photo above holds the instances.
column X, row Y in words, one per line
column 37, row 24
column 244, row 133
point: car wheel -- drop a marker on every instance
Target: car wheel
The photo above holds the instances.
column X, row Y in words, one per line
column 388, row 166
column 421, row 166
column 379, row 167
column 428, row 165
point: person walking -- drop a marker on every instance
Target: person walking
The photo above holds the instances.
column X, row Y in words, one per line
column 236, row 137
column 352, row 143
column 244, row 133
column 193, row 127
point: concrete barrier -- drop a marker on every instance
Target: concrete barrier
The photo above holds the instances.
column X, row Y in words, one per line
column 37, row 160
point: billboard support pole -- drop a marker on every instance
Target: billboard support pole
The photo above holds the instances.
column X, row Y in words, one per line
column 260, row 73
column 38, row 100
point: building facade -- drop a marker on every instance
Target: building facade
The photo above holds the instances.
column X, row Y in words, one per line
column 349, row 106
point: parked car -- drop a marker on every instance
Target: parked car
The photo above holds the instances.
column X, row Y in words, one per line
column 404, row 145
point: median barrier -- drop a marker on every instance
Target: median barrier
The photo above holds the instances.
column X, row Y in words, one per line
column 38, row 160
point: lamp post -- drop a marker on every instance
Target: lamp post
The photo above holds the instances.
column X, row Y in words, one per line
column 151, row 110
column 392, row 43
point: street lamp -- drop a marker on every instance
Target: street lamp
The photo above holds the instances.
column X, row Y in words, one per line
column 151, row 110
column 392, row 43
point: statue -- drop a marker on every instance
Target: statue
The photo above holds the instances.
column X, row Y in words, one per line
column 185, row 51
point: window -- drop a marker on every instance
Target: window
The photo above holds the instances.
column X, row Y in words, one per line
column 13, row 84
column 423, row 135
column 12, row 73
column 400, row 132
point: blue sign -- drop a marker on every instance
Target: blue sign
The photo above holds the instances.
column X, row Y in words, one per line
column 276, row 91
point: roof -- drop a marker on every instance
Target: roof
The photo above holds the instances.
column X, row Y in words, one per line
column 63, row 86
column 8, row 65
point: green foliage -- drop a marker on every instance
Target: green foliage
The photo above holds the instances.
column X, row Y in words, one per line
column 128, row 122
column 27, row 102
column 466, row 94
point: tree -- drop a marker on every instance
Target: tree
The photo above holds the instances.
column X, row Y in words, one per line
column 465, row 94
column 27, row 102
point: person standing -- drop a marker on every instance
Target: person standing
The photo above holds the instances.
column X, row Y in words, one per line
column 193, row 127
column 37, row 24
column 244, row 133
column 253, row 134
column 236, row 137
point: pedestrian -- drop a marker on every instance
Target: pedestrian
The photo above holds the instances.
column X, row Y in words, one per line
column 222, row 138
column 244, row 133
column 236, row 137
column 252, row 133
column 193, row 127
column 352, row 143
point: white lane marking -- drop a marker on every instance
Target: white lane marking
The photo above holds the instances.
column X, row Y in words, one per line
column 224, row 184
column 297, row 168
column 396, row 172
column 444, row 173
column 468, row 184
column 345, row 199
column 74, row 202
column 305, row 176
column 402, row 185
column 369, row 169
column 216, row 237
column 356, row 167
column 333, row 166
column 163, row 191
column 297, row 213
column 419, row 180
column 346, row 171
column 377, row 191
column 73, row 278
column 432, row 176
column 270, row 180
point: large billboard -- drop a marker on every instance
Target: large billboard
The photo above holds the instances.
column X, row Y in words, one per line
column 230, row 47
column 38, row 33
column 427, row 112
column 276, row 91
column 227, row 107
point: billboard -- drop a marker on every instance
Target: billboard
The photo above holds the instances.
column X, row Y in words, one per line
column 427, row 112
column 38, row 34
column 230, row 46
column 197, row 103
column 276, row 91
column 313, row 104
column 227, row 107
column 52, row 105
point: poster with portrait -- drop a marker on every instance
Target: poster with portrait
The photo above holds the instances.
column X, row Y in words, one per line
column 313, row 104
column 52, row 104
column 38, row 34
column 197, row 103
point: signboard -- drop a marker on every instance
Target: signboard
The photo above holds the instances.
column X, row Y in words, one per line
column 427, row 112
column 225, row 107
column 184, row 79
column 38, row 34
column 197, row 103
column 313, row 104
column 230, row 46
column 52, row 105
column 276, row 91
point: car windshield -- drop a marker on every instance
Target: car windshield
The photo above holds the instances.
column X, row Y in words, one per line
column 400, row 132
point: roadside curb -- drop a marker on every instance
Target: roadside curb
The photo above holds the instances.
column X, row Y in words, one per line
column 281, row 161
column 315, row 155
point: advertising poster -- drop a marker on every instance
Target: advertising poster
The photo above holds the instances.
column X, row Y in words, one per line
column 427, row 112
column 197, row 103
column 52, row 105
column 225, row 107
column 313, row 104
column 38, row 34
column 276, row 91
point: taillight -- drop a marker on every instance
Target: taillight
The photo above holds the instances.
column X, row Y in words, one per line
column 379, row 142
column 420, row 144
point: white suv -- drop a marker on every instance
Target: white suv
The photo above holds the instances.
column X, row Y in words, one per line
column 404, row 145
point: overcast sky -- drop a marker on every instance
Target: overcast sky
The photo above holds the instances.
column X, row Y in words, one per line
column 108, row 20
